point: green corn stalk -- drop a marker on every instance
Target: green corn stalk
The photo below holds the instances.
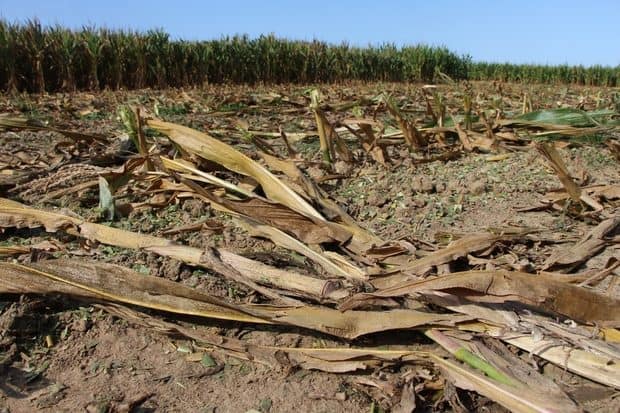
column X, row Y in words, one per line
column 469, row 358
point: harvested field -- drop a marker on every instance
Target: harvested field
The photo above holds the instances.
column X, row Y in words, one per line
column 355, row 247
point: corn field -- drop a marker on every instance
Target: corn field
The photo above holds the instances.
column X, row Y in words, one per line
column 506, row 72
column 37, row 58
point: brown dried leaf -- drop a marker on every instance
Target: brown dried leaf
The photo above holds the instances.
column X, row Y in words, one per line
column 14, row 249
column 539, row 291
column 558, row 165
column 14, row 214
column 256, row 229
column 278, row 216
column 108, row 282
column 216, row 151
column 361, row 239
column 567, row 259
column 7, row 122
column 413, row 137
column 457, row 249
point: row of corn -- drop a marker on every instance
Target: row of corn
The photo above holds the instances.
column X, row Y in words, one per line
column 37, row 58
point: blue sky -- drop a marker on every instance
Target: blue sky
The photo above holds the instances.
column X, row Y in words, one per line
column 526, row 31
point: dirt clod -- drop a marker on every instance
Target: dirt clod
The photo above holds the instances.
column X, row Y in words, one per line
column 422, row 184
column 477, row 187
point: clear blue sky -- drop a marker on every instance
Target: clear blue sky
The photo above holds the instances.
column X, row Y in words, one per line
column 526, row 31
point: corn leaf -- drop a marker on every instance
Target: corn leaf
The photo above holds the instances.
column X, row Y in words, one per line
column 539, row 291
column 10, row 122
column 216, row 151
column 14, row 214
column 571, row 117
column 520, row 399
column 595, row 366
column 118, row 284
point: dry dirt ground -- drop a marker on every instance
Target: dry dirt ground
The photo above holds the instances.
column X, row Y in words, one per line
column 57, row 355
